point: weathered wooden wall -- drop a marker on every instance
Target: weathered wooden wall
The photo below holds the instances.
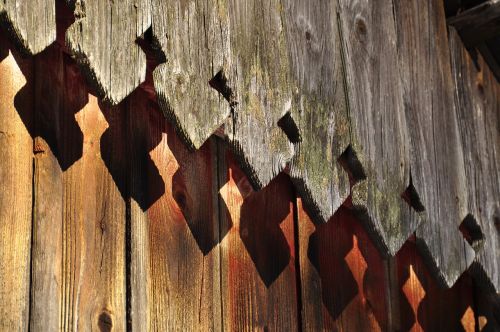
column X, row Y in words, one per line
column 115, row 217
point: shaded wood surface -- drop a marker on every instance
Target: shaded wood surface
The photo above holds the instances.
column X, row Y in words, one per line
column 78, row 254
column 262, row 223
column 174, row 226
column 344, row 281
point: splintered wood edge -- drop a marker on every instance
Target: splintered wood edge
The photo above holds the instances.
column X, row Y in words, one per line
column 42, row 29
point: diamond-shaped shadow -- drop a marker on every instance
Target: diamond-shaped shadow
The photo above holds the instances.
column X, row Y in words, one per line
column 191, row 196
column 350, row 267
column 262, row 213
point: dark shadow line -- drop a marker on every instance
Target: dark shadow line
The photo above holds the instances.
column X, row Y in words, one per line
column 298, row 279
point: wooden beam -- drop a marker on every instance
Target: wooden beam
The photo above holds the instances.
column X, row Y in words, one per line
column 479, row 23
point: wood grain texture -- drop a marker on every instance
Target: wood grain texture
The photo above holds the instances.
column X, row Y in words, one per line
column 16, row 150
column 344, row 281
column 318, row 115
column 437, row 165
column 31, row 23
column 475, row 106
column 79, row 255
column 103, row 40
column 47, row 243
column 193, row 39
column 377, row 113
column 260, row 80
column 174, row 273
column 258, row 284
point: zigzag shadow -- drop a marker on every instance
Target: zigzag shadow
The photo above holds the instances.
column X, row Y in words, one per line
column 137, row 176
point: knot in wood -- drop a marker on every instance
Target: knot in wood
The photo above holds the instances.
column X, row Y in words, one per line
column 105, row 322
column 360, row 26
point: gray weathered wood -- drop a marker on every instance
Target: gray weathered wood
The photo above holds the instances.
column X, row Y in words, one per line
column 32, row 23
column 193, row 37
column 437, row 165
column 477, row 110
column 259, row 76
column 377, row 113
column 103, row 40
column 319, row 110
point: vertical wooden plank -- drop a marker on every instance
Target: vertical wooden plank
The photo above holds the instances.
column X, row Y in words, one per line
column 257, row 256
column 424, row 304
column 377, row 116
column 46, row 291
column 16, row 171
column 259, row 80
column 80, row 143
column 318, row 120
column 474, row 106
column 174, row 226
column 343, row 276
column 193, row 91
column 103, row 40
column 437, row 165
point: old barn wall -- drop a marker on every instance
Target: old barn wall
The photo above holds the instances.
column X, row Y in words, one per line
column 331, row 199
